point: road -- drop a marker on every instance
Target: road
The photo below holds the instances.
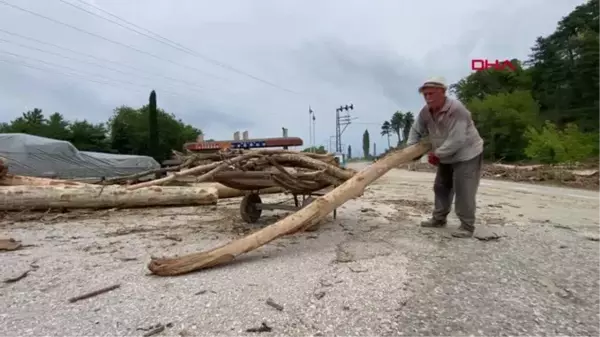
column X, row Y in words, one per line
column 372, row 271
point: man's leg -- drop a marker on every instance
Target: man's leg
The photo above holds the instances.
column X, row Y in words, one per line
column 442, row 188
column 466, row 182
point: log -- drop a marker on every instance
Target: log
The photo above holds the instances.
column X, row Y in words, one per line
column 3, row 167
column 15, row 180
column 211, row 169
column 23, row 197
column 225, row 192
column 301, row 220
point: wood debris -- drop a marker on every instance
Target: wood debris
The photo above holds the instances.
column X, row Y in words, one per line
column 94, row 293
column 9, row 244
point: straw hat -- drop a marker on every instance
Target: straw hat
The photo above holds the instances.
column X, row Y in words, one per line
column 434, row 82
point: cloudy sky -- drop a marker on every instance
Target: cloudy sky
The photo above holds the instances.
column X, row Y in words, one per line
column 254, row 64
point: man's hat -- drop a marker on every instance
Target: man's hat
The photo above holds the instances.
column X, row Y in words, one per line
column 435, row 82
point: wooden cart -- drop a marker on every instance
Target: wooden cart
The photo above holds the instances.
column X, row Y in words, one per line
column 251, row 206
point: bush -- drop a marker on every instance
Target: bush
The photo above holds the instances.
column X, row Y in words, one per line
column 551, row 145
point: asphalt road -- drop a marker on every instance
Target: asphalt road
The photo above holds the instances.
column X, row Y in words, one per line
column 372, row 271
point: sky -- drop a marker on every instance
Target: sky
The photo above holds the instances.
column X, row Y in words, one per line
column 257, row 65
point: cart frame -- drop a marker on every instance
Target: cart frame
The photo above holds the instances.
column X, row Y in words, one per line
column 251, row 206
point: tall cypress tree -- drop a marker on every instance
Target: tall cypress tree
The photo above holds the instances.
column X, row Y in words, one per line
column 153, row 127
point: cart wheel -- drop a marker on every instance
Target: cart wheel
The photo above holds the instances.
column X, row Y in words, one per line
column 307, row 201
column 248, row 210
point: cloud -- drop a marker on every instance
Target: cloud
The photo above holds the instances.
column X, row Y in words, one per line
column 318, row 53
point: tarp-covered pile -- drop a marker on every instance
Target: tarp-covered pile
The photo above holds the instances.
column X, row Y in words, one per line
column 30, row 155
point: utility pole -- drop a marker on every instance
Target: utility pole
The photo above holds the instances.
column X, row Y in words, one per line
column 374, row 149
column 314, row 135
column 285, row 135
column 310, row 115
column 330, row 143
column 341, row 123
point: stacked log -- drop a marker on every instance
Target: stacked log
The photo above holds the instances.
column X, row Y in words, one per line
column 218, row 175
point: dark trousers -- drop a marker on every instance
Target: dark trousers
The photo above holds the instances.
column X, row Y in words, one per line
column 460, row 179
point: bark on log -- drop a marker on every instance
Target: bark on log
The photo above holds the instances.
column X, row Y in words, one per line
column 301, row 220
column 14, row 180
column 228, row 192
column 3, row 167
column 22, row 197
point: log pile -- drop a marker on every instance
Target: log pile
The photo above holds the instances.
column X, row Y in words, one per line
column 297, row 172
column 217, row 175
column 299, row 221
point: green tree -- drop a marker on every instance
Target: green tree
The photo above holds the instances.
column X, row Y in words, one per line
column 397, row 124
column 366, row 143
column 386, row 130
column 31, row 122
column 409, row 119
column 502, row 120
column 129, row 132
column 491, row 82
column 349, row 151
column 551, row 145
column 316, row 149
column 57, row 127
column 565, row 67
column 86, row 136
column 153, row 126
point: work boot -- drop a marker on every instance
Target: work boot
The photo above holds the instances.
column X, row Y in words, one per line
column 464, row 231
column 433, row 223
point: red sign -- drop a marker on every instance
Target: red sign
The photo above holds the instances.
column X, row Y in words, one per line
column 479, row 65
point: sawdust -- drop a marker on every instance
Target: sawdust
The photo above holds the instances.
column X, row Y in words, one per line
column 419, row 205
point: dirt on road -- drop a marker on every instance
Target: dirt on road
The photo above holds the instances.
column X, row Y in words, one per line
column 372, row 271
column 583, row 175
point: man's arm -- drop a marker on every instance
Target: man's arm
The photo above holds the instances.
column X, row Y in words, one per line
column 457, row 133
column 417, row 131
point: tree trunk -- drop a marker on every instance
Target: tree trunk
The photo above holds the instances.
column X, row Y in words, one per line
column 93, row 196
column 301, row 220
column 225, row 192
column 3, row 167
column 14, row 180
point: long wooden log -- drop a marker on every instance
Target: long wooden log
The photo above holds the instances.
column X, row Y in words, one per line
column 298, row 221
column 15, row 180
column 228, row 192
column 211, row 168
column 93, row 196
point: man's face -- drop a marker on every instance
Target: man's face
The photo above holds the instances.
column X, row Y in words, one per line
column 434, row 97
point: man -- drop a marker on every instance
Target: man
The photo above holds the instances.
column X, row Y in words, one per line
column 457, row 151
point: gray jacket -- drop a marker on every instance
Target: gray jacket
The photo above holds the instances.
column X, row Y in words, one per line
column 451, row 131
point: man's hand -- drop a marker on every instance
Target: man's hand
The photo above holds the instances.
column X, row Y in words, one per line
column 433, row 159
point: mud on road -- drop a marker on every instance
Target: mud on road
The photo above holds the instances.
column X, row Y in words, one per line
column 372, row 271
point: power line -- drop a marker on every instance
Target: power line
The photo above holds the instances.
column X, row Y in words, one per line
column 168, row 42
column 96, row 64
column 105, row 38
column 23, row 64
column 84, row 78
column 83, row 75
column 80, row 53
column 69, row 68
column 191, row 84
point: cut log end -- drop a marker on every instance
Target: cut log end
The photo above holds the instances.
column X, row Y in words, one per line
column 179, row 266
